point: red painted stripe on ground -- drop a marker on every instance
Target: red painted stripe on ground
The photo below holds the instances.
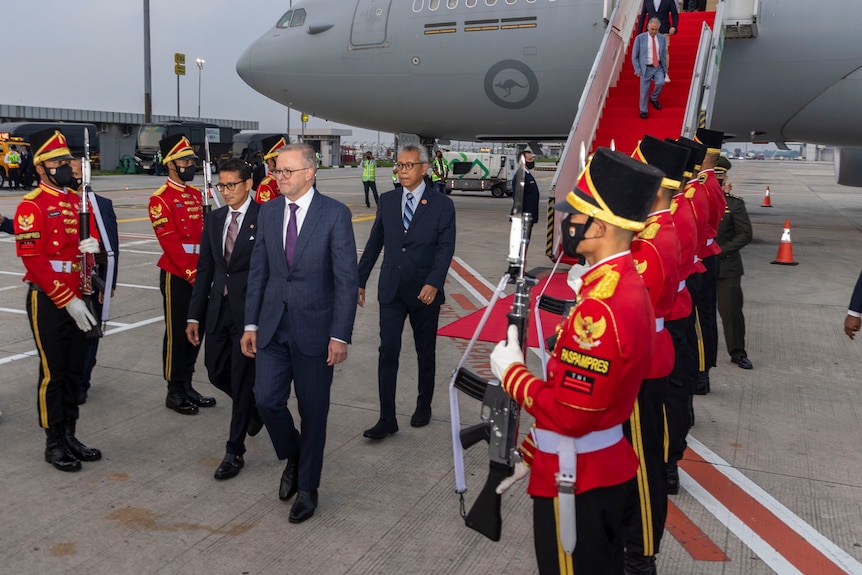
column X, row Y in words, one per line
column 792, row 546
column 480, row 287
column 463, row 301
column 691, row 537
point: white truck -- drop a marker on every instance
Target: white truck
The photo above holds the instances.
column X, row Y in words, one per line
column 479, row 172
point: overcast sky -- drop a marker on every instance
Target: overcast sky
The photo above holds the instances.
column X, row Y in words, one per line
column 89, row 54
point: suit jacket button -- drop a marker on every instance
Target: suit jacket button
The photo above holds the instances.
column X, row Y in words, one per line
column 403, row 249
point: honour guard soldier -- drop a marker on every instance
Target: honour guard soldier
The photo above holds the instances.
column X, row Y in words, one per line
column 656, row 252
column 177, row 217
column 48, row 243
column 601, row 357
column 268, row 188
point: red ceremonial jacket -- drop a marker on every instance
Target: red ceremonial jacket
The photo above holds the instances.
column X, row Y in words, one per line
column 177, row 217
column 267, row 190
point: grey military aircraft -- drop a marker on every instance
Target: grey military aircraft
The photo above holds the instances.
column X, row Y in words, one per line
column 514, row 70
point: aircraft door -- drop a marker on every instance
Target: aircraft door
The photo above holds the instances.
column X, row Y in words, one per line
column 369, row 23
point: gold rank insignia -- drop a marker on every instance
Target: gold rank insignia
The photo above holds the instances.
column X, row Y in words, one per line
column 650, row 231
column 641, row 267
column 589, row 331
column 673, row 207
column 607, row 285
column 156, row 211
column 264, row 196
column 26, row 222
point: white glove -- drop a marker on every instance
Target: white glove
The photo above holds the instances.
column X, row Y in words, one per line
column 82, row 316
column 89, row 246
column 506, row 353
column 521, row 471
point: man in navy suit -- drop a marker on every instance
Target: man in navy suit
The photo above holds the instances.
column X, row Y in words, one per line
column 218, row 301
column 853, row 321
column 299, row 312
column 649, row 61
column 531, row 188
column 415, row 225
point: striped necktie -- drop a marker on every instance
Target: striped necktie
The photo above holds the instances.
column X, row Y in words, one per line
column 408, row 211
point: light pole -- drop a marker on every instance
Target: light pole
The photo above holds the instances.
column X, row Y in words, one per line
column 200, row 62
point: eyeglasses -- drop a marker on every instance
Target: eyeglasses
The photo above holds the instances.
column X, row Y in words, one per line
column 406, row 165
column 229, row 186
column 285, row 173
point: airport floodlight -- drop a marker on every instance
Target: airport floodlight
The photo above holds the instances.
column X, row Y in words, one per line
column 200, row 62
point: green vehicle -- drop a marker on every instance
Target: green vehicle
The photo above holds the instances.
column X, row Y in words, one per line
column 479, row 172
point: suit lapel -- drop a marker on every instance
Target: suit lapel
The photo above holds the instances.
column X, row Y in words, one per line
column 315, row 212
column 422, row 207
column 246, row 232
column 218, row 218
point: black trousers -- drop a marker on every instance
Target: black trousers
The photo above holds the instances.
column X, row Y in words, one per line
column 370, row 185
column 705, row 303
column 178, row 355
column 646, row 503
column 13, row 178
column 61, row 348
column 92, row 349
column 729, row 300
column 231, row 372
column 598, row 519
column 680, row 387
column 423, row 321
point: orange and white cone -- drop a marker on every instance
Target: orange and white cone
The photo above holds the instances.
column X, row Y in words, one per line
column 785, row 248
column 767, row 203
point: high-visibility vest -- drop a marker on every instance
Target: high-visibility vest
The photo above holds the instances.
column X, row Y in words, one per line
column 12, row 159
column 368, row 170
column 442, row 168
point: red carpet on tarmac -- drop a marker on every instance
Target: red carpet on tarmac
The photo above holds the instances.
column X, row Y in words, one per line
column 621, row 119
column 495, row 327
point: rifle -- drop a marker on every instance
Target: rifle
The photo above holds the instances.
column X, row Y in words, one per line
column 499, row 426
column 88, row 261
column 208, row 180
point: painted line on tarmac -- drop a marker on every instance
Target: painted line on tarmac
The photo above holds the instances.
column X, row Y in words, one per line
column 690, row 536
column 780, row 537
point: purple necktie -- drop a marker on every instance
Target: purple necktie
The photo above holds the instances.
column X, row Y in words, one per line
column 290, row 238
column 230, row 240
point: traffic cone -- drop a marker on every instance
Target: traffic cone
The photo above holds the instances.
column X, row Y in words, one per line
column 767, row 203
column 785, row 247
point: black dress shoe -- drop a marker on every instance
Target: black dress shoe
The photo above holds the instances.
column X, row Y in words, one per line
column 229, row 467
column 643, row 115
column 381, row 429
column 197, row 398
column 78, row 449
column 57, row 452
column 289, row 480
column 82, row 397
column 304, row 506
column 742, row 362
column 255, row 425
column 421, row 417
column 655, row 104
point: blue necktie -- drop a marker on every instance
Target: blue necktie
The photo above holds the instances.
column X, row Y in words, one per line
column 290, row 238
column 408, row 211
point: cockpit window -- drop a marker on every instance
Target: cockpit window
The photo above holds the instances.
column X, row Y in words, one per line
column 298, row 18
column 284, row 22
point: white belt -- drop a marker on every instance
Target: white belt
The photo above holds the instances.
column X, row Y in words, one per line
column 659, row 324
column 681, row 286
column 548, row 441
column 710, row 241
column 63, row 266
column 192, row 248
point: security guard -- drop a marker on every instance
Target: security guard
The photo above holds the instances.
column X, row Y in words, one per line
column 369, row 178
column 734, row 233
column 601, row 357
column 439, row 172
column 177, row 217
column 268, row 188
column 47, row 241
column 13, row 163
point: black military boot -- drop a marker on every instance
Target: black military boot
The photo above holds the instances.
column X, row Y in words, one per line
column 56, row 452
column 178, row 400
column 637, row 564
column 196, row 398
column 77, row 448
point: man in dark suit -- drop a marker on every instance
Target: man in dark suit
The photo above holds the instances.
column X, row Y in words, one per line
column 415, row 226
column 300, row 307
column 531, row 188
column 218, row 301
column 668, row 16
column 649, row 60
column 853, row 321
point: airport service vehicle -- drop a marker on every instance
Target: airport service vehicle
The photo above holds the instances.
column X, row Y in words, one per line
column 73, row 131
column 246, row 144
column 149, row 136
column 479, row 172
column 5, row 142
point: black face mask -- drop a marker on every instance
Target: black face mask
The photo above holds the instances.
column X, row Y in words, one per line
column 61, row 175
column 187, row 174
column 572, row 234
column 529, row 165
column 76, row 184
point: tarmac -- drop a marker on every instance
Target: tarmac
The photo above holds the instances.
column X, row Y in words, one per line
column 772, row 482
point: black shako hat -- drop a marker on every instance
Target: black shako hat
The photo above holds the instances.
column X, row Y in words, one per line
column 614, row 188
column 271, row 145
column 709, row 138
column 49, row 144
column 698, row 153
column 176, row 147
column 668, row 157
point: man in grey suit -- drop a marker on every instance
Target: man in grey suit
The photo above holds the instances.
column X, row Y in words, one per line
column 649, row 61
column 300, row 307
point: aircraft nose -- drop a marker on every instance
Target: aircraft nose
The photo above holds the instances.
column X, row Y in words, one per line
column 245, row 67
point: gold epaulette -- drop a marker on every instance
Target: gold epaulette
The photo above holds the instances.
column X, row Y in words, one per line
column 607, row 285
column 734, row 196
column 650, row 231
column 34, row 194
column 194, row 188
column 702, row 178
column 161, row 190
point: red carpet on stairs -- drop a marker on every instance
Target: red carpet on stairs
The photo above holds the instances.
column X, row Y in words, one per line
column 621, row 119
